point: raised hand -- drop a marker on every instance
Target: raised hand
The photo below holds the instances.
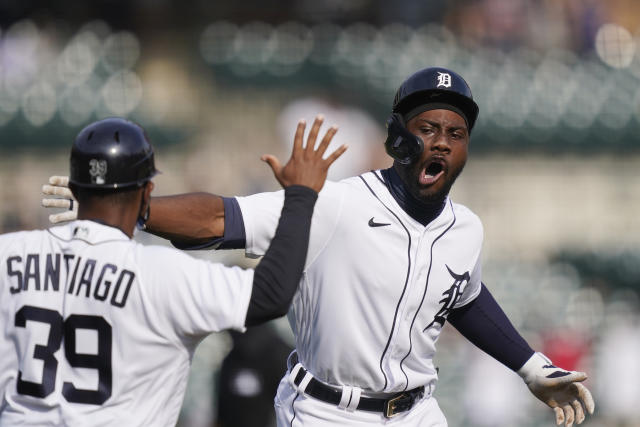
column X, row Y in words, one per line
column 59, row 186
column 306, row 166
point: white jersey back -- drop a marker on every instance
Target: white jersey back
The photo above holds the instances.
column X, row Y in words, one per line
column 377, row 286
column 99, row 330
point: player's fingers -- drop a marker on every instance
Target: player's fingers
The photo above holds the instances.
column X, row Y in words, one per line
column 585, row 397
column 326, row 140
column 52, row 190
column 56, row 203
column 297, row 139
column 313, row 133
column 569, row 416
column 334, row 156
column 62, row 217
column 273, row 163
column 569, row 379
column 577, row 407
column 559, row 415
column 59, row 180
column 577, row 376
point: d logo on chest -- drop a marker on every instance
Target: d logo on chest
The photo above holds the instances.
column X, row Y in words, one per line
column 450, row 297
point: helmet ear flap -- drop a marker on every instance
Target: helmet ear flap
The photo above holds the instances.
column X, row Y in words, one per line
column 401, row 144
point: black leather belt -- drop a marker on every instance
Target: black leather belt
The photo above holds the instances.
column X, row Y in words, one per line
column 390, row 407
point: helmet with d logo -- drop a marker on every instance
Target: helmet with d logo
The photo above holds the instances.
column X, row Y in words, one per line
column 430, row 88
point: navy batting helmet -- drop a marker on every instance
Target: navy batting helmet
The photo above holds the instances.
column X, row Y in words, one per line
column 111, row 153
column 428, row 89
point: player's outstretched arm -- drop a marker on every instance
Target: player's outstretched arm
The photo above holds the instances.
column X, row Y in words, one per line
column 561, row 390
column 192, row 217
column 195, row 218
column 278, row 274
column 483, row 322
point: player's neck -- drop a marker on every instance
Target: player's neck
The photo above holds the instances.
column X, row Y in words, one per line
column 113, row 216
column 421, row 211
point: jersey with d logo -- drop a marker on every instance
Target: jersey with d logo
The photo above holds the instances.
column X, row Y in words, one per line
column 377, row 285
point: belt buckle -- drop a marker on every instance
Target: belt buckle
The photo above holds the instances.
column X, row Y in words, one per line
column 396, row 405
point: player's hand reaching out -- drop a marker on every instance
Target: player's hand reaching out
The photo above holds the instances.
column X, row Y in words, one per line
column 306, row 166
column 59, row 186
column 561, row 390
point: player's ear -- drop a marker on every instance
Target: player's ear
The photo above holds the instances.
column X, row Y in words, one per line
column 146, row 194
column 145, row 204
column 148, row 189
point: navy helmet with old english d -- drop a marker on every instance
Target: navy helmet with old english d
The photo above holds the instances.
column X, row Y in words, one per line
column 111, row 153
column 430, row 88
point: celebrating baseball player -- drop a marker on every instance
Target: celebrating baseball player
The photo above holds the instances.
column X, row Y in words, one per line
column 391, row 258
column 98, row 330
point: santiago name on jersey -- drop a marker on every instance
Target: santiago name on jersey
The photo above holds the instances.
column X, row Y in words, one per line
column 100, row 330
column 377, row 285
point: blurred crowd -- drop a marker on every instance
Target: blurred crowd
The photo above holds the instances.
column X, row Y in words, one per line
column 553, row 170
column 573, row 63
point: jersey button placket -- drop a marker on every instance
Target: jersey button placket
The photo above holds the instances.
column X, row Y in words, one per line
column 399, row 344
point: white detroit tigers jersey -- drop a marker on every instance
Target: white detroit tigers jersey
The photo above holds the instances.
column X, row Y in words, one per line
column 99, row 330
column 377, row 285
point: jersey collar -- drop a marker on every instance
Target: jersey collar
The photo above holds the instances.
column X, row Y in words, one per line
column 422, row 212
column 88, row 231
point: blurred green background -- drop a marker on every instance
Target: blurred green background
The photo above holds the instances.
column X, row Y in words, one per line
column 553, row 171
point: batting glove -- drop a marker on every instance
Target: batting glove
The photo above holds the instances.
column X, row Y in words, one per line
column 59, row 186
column 561, row 390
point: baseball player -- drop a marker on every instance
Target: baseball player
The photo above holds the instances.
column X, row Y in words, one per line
column 391, row 258
column 98, row 330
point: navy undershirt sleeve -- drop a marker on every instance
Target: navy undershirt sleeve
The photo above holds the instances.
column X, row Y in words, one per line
column 277, row 276
column 234, row 234
column 483, row 322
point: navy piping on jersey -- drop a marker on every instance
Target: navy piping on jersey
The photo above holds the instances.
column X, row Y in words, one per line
column 379, row 177
column 406, row 280
column 426, row 286
column 86, row 241
column 293, row 409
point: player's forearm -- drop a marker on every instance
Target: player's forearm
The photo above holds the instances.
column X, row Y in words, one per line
column 483, row 322
column 277, row 276
column 189, row 217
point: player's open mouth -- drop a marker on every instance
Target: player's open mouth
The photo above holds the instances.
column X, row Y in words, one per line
column 432, row 172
